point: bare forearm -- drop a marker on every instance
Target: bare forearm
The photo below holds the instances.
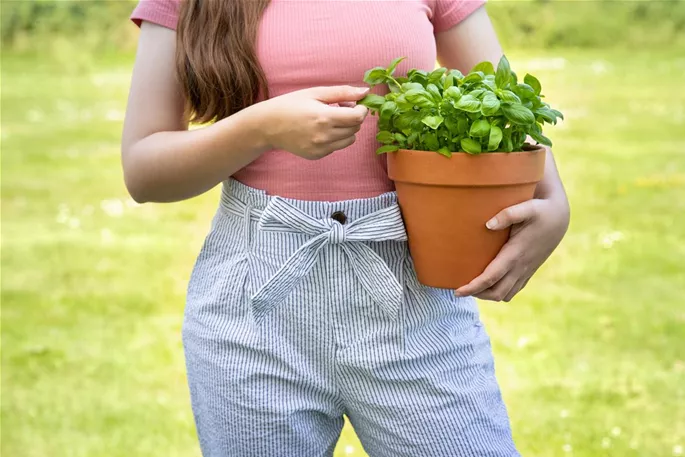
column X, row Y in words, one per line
column 177, row 165
column 551, row 187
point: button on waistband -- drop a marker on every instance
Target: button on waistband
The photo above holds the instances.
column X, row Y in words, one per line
column 339, row 216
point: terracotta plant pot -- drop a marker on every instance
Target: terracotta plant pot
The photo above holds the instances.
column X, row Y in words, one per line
column 446, row 202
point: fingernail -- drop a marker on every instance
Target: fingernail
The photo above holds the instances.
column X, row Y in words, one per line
column 492, row 223
column 362, row 90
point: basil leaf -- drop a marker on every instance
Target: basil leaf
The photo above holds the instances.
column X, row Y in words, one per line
column 409, row 86
column 518, row 114
column 411, row 139
column 524, row 91
column 456, row 74
column 462, row 125
column 449, row 82
column 495, row 138
column 557, row 114
column 372, row 101
column 387, row 148
column 480, row 129
column 436, row 74
column 546, row 114
column 490, row 105
column 433, row 121
column 477, row 93
column 453, row 92
column 470, row 146
column 503, row 74
column 375, row 76
column 469, row 104
column 533, row 82
column 387, row 110
column 489, row 82
column 385, row 137
column 474, row 77
column 540, row 138
column 434, row 91
column 485, row 67
column 510, row 97
column 393, row 65
column 514, row 79
column 418, row 76
column 507, row 145
column 445, row 151
column 430, row 139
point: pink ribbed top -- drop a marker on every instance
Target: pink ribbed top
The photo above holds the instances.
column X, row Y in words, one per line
column 306, row 43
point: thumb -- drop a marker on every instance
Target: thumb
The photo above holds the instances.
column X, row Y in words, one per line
column 513, row 215
column 338, row 94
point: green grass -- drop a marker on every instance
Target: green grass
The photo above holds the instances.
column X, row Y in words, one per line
column 591, row 356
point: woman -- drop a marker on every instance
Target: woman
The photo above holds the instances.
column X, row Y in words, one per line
column 303, row 305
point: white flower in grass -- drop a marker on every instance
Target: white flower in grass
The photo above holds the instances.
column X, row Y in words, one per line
column 567, row 448
column 677, row 449
column 112, row 207
column 616, row 431
column 74, row 222
column 606, row 443
column 563, row 413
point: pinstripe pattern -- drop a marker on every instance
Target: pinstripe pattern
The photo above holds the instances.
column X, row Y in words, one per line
column 294, row 320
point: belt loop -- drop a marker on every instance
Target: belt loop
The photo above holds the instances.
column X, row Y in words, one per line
column 247, row 232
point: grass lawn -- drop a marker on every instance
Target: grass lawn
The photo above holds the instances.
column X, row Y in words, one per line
column 591, row 356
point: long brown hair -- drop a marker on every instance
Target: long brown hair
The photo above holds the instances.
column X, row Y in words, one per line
column 216, row 59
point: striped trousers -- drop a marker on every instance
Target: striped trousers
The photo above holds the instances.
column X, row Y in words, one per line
column 300, row 313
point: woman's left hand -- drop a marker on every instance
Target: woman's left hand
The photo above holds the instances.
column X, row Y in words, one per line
column 537, row 227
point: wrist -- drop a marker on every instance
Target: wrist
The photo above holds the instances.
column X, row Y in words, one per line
column 258, row 125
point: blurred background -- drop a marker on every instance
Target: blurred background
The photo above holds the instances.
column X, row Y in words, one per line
column 591, row 356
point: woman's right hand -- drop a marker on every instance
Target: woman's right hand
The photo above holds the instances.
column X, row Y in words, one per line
column 304, row 122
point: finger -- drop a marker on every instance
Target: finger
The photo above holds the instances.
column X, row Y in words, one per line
column 501, row 289
column 347, row 117
column 513, row 215
column 340, row 133
column 337, row 94
column 495, row 271
column 347, row 104
column 518, row 287
column 340, row 144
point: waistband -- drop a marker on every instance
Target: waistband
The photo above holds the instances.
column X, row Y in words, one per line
column 236, row 198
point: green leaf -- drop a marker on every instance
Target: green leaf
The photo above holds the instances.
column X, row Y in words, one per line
column 411, row 139
column 495, row 138
column 385, row 137
column 418, row 76
column 433, row 121
column 462, row 125
column 533, row 82
column 436, row 74
column 469, row 104
column 503, row 74
column 445, row 151
column 514, row 79
column 430, row 139
column 470, row 146
column 490, row 105
column 453, row 92
column 557, row 114
column 510, row 97
column 456, row 74
column 540, row 138
column 477, row 93
column 485, row 67
column 375, row 76
column 393, row 65
column 474, row 77
column 489, row 82
column 480, row 129
column 451, row 124
column 546, row 114
column 387, row 148
column 449, row 82
column 372, row 101
column 410, row 85
column 518, row 114
column 524, row 91
column 434, row 91
column 387, row 110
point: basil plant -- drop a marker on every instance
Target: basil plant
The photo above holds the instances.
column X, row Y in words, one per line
column 444, row 111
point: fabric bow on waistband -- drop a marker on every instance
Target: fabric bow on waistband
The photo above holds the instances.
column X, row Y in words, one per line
column 371, row 271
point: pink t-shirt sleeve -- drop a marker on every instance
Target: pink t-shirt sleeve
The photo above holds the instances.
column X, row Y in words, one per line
column 448, row 13
column 162, row 12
